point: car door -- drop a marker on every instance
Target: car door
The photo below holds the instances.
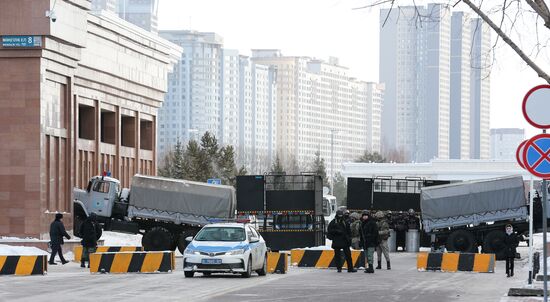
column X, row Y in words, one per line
column 253, row 246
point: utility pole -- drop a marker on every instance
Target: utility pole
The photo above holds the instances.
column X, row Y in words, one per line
column 332, row 131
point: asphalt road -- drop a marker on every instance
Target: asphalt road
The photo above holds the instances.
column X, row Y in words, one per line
column 402, row 283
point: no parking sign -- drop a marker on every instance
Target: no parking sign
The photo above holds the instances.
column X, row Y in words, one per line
column 536, row 155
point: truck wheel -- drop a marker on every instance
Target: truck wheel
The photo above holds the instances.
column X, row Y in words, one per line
column 157, row 239
column 461, row 241
column 494, row 243
column 182, row 244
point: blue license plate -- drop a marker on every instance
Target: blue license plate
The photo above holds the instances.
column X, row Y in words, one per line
column 211, row 261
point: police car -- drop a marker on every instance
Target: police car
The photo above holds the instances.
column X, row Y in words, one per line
column 226, row 248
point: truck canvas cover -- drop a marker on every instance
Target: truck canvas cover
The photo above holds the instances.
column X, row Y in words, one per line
column 473, row 202
column 182, row 196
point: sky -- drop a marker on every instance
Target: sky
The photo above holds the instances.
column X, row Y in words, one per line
column 323, row 28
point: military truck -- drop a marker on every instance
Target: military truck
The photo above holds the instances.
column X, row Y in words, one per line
column 165, row 211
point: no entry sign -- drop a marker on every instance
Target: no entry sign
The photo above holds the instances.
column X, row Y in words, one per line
column 535, row 106
column 536, row 155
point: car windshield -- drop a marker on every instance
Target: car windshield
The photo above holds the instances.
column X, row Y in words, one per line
column 221, row 234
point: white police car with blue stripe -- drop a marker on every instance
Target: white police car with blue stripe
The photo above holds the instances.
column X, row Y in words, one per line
column 226, row 248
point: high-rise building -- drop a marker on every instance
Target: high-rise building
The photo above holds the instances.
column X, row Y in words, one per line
column 480, row 86
column 143, row 13
column 505, row 141
column 461, row 44
column 375, row 97
column 193, row 101
column 436, row 102
column 316, row 100
column 220, row 91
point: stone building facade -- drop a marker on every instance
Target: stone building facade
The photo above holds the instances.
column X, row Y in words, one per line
column 81, row 98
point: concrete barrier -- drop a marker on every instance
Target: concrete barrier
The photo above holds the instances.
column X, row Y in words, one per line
column 277, row 262
column 23, row 265
column 323, row 258
column 132, row 262
column 453, row 262
column 77, row 251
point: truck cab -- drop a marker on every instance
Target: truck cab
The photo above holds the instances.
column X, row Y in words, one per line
column 104, row 197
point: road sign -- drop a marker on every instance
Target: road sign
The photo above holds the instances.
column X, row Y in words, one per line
column 536, row 155
column 519, row 154
column 214, row 181
column 536, row 105
column 21, row 41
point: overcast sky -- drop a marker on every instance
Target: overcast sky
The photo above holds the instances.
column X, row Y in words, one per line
column 322, row 28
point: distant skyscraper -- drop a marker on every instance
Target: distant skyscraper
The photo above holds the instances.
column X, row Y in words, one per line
column 434, row 67
column 315, row 98
column 480, row 89
column 108, row 5
column 505, row 141
column 193, row 104
column 143, row 13
column 415, row 68
column 461, row 45
column 217, row 90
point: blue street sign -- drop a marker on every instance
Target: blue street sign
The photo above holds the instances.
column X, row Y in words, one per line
column 21, row 41
column 214, row 181
column 536, row 155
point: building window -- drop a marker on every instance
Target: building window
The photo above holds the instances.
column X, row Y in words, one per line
column 128, row 131
column 108, row 127
column 86, row 122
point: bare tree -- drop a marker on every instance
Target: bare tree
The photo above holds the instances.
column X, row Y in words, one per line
column 505, row 17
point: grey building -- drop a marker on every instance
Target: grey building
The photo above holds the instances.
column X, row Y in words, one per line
column 461, row 44
column 143, row 13
column 505, row 141
column 434, row 67
column 415, row 68
column 480, row 85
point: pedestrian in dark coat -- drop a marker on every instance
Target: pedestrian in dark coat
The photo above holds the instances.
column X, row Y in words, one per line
column 369, row 239
column 340, row 233
column 57, row 232
column 90, row 231
column 511, row 241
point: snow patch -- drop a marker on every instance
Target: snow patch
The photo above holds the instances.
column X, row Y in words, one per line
column 120, row 239
column 8, row 250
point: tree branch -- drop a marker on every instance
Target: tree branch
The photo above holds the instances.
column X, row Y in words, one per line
column 541, row 9
column 508, row 41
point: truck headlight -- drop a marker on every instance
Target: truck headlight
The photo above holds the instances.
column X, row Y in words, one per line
column 191, row 252
column 235, row 252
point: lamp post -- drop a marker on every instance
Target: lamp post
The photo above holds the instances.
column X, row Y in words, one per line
column 332, row 131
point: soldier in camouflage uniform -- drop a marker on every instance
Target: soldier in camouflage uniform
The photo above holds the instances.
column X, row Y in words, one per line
column 383, row 234
column 356, row 231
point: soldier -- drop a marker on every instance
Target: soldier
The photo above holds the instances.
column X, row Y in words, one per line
column 383, row 234
column 355, row 231
column 511, row 242
column 340, row 234
column 369, row 239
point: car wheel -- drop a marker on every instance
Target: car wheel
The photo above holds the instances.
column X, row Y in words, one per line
column 248, row 270
column 189, row 274
column 263, row 270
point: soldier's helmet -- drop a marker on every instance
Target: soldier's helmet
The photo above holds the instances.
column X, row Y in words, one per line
column 379, row 215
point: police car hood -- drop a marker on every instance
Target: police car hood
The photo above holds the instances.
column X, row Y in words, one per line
column 217, row 246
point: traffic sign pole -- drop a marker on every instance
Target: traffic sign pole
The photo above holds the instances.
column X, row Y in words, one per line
column 544, row 230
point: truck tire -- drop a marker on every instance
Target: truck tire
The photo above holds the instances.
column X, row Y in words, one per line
column 494, row 243
column 461, row 241
column 157, row 239
column 182, row 244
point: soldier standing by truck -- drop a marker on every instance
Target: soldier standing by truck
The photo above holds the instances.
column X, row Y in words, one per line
column 511, row 241
column 90, row 231
column 355, row 231
column 383, row 234
column 340, row 234
column 369, row 239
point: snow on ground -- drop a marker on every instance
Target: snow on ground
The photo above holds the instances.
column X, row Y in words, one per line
column 8, row 250
column 120, row 239
column 12, row 239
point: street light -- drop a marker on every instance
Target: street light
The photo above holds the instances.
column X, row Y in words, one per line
column 332, row 131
